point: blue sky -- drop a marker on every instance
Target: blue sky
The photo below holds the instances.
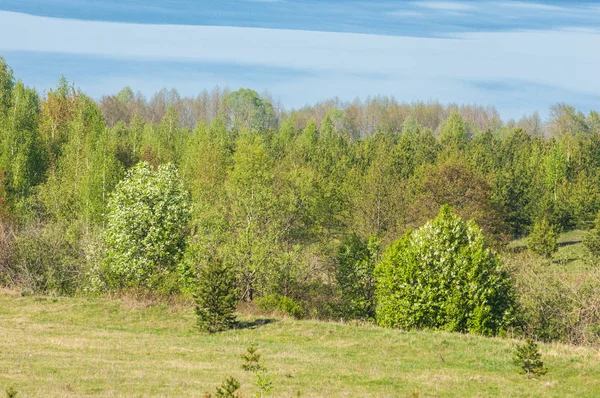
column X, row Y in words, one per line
column 518, row 56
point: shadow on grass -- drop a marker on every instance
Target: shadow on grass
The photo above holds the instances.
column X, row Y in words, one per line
column 254, row 324
column 569, row 243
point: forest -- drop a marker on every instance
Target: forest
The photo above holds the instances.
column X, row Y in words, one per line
column 401, row 214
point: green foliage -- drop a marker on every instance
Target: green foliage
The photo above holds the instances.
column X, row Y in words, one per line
column 125, row 95
column 544, row 306
column 513, row 188
column 417, row 146
column 444, row 276
column 251, row 359
column 376, row 199
column 543, row 239
column 356, row 262
column 553, row 305
column 254, row 216
column 47, row 259
column 228, row 389
column 592, row 239
column 7, row 82
column 216, row 297
column 11, row 392
column 454, row 133
column 248, row 111
column 276, row 193
column 529, row 359
column 146, row 231
column 281, row 304
column 252, row 363
column 454, row 182
column 264, row 382
column 80, row 182
column 21, row 154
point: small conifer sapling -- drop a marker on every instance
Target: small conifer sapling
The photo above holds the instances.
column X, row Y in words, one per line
column 529, row 359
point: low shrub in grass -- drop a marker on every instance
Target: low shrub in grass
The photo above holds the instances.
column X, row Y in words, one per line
column 11, row 392
column 280, row 304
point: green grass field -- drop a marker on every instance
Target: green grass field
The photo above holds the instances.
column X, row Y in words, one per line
column 571, row 259
column 73, row 347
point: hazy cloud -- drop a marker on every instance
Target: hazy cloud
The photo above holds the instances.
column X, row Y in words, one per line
column 318, row 64
column 444, row 5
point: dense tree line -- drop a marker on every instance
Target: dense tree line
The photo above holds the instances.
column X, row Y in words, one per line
column 299, row 205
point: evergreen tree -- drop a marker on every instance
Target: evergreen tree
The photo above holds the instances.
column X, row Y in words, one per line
column 543, row 239
column 417, row 146
column 216, row 297
column 228, row 389
column 529, row 359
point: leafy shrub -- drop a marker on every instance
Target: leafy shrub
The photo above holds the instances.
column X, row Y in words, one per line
column 47, row 259
column 544, row 305
column 444, row 276
column 146, row 226
column 543, row 239
column 216, row 297
column 529, row 359
column 552, row 307
column 281, row 304
column 6, row 243
column 355, row 276
column 264, row 382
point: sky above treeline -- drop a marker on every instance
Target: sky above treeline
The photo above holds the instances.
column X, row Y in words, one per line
column 517, row 56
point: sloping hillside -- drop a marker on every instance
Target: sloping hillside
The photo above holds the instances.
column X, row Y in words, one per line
column 62, row 347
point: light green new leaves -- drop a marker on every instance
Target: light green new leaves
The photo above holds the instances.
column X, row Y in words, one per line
column 443, row 276
column 146, row 224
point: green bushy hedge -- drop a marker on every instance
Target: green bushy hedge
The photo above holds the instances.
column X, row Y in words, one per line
column 443, row 276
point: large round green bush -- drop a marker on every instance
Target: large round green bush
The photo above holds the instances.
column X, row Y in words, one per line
column 147, row 226
column 443, row 276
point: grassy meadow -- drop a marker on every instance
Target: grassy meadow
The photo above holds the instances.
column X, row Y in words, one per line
column 571, row 260
column 73, row 347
